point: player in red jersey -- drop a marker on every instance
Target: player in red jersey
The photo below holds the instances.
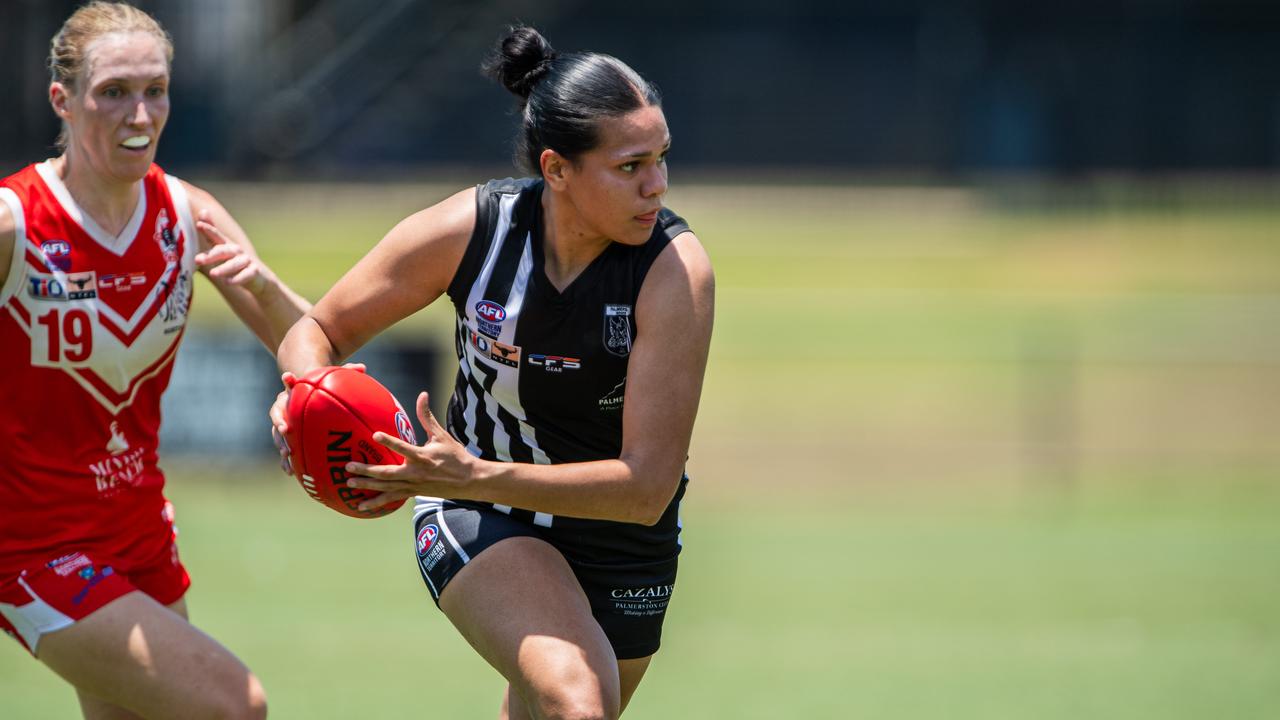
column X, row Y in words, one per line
column 98, row 248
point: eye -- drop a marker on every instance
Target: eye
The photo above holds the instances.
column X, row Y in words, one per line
column 156, row 91
column 112, row 91
column 662, row 159
column 628, row 167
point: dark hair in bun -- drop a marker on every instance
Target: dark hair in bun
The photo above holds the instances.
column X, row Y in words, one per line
column 563, row 97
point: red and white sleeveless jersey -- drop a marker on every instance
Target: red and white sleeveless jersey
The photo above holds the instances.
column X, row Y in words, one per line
column 89, row 325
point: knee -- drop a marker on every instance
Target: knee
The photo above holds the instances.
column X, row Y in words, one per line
column 241, row 702
column 576, row 694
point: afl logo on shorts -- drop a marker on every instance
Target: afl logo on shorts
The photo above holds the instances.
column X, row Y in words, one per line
column 427, row 538
column 405, row 429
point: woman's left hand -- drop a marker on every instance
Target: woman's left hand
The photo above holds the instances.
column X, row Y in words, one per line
column 227, row 262
column 437, row 468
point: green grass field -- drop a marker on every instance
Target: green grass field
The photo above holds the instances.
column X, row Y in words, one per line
column 953, row 460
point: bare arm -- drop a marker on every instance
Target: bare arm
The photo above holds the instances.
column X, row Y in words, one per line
column 664, row 383
column 8, row 239
column 263, row 302
column 406, row 271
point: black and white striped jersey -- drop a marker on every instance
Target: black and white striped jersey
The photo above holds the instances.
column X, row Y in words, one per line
column 542, row 372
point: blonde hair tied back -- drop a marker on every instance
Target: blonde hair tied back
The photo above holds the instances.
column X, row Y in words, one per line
column 68, row 49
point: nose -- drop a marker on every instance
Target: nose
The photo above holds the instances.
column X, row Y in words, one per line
column 140, row 117
column 655, row 183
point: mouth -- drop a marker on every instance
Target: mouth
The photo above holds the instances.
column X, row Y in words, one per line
column 648, row 218
column 136, row 142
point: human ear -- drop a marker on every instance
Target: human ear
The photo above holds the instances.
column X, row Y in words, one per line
column 60, row 99
column 555, row 169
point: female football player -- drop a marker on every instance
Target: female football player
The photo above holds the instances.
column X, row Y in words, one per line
column 547, row 518
column 98, row 247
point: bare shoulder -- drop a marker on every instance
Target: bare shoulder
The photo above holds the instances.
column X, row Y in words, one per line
column 684, row 262
column 448, row 222
column 8, row 226
column 200, row 198
column 8, row 238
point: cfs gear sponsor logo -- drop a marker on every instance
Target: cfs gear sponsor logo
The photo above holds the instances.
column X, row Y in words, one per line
column 57, row 254
column 500, row 353
column 617, row 329
column 427, row 538
column 122, row 282
column 489, row 317
column 641, row 601
column 555, row 363
column 165, row 238
column 612, row 402
column 404, row 428
column 177, row 299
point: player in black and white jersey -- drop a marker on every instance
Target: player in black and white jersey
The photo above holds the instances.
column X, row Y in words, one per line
column 547, row 520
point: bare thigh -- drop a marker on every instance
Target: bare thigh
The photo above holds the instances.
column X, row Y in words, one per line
column 137, row 658
column 520, row 606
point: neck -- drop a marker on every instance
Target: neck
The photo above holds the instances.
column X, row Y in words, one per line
column 109, row 202
column 568, row 245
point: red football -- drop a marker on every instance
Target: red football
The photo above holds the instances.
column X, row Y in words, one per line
column 332, row 415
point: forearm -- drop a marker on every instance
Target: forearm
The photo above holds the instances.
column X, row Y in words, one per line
column 603, row 489
column 304, row 347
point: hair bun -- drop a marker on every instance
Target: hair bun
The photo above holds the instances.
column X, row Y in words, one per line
column 520, row 59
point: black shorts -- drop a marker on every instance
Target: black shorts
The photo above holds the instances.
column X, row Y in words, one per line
column 628, row 584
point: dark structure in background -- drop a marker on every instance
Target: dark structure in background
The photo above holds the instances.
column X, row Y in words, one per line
column 305, row 87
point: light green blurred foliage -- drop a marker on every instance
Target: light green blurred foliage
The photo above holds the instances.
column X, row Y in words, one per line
column 956, row 457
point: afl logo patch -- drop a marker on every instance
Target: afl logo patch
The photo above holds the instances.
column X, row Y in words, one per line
column 617, row 329
column 57, row 254
column 405, row 429
column 427, row 538
column 491, row 311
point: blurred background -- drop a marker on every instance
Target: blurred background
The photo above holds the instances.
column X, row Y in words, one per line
column 991, row 422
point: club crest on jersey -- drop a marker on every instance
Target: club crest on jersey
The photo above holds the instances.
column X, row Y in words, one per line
column 617, row 329
column 122, row 282
column 489, row 317
column 165, row 237
column 177, row 299
column 70, row 286
column 57, row 254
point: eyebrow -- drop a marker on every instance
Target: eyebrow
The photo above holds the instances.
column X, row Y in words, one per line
column 643, row 154
column 123, row 79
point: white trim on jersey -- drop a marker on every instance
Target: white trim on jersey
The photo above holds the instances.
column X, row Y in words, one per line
column 186, row 218
column 118, row 244
column 17, row 263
